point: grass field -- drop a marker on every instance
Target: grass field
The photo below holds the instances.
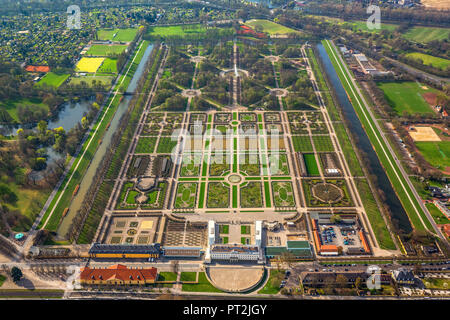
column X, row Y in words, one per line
column 53, row 79
column 126, row 35
column 426, row 34
column 273, row 283
column 104, row 50
column 29, row 203
column 203, row 285
column 362, row 25
column 105, row 80
column 89, row 64
column 11, row 106
column 373, row 213
column 323, row 143
column 302, row 144
column 437, row 215
column 428, row 60
column 269, row 27
column 176, row 30
column 108, row 66
column 406, row 96
column 311, row 164
column 436, row 153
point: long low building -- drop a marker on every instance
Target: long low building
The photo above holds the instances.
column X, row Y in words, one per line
column 182, row 252
column 235, row 252
column 124, row 251
column 118, row 275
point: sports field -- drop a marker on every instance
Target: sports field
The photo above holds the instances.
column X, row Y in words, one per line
column 428, row 60
column 270, row 27
column 176, row 30
column 436, row 153
column 89, row 64
column 119, row 35
column 53, row 79
column 406, row 96
column 108, row 66
column 426, row 34
column 104, row 50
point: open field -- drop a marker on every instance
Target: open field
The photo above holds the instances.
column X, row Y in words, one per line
column 438, row 4
column 428, row 60
column 89, row 64
column 108, row 66
column 269, row 27
column 436, row 153
column 406, row 96
column 426, row 34
column 53, row 79
column 11, row 107
column 437, row 215
column 104, row 50
column 90, row 80
column 362, row 25
column 176, row 30
column 117, row 35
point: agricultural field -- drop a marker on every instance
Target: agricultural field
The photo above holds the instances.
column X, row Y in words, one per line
column 90, row 65
column 407, row 97
column 269, row 27
column 436, row 62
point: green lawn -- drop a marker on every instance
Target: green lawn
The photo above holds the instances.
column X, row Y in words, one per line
column 11, row 106
column 146, row 145
column 273, row 283
column 90, row 80
column 203, row 285
column 428, row 60
column 2, row 279
column 53, row 79
column 302, row 143
column 426, row 34
column 406, row 96
column 269, row 27
column 437, row 215
column 188, row 276
column 323, row 143
column 104, row 50
column 176, row 30
column 126, row 35
column 109, row 65
column 436, row 153
column 311, row 164
column 362, row 25
column 436, row 283
column 373, row 213
column 167, row 276
column 29, row 203
column 106, row 34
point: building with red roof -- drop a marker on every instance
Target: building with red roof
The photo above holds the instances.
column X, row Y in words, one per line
column 118, row 275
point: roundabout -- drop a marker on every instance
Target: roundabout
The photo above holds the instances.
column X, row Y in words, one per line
column 235, row 178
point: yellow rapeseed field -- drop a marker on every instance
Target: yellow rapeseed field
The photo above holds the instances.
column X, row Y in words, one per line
column 89, row 64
